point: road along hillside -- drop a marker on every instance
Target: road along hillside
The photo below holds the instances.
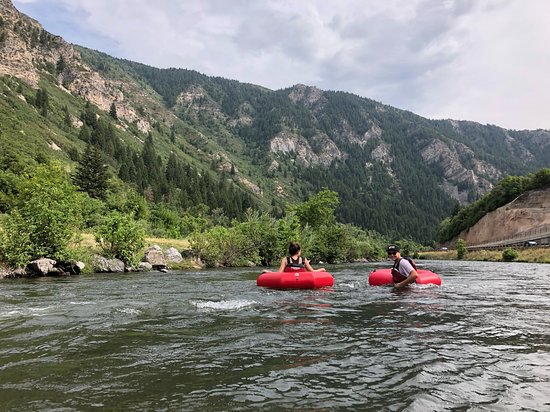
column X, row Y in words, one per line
column 525, row 218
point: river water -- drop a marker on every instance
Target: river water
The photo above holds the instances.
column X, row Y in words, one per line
column 213, row 341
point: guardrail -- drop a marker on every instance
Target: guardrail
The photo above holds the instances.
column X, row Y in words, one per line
column 536, row 237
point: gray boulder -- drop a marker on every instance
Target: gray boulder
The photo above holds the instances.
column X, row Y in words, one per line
column 145, row 267
column 42, row 267
column 173, row 256
column 50, row 267
column 101, row 264
column 155, row 256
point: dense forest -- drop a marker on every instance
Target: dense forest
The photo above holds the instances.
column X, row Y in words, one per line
column 409, row 201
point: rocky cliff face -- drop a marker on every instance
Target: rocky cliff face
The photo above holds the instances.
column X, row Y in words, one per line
column 448, row 156
column 463, row 174
column 527, row 213
column 29, row 52
column 16, row 59
column 298, row 146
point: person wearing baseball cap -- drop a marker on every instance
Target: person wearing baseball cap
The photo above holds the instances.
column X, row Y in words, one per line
column 402, row 271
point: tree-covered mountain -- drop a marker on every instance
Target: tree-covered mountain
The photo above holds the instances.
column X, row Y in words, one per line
column 184, row 139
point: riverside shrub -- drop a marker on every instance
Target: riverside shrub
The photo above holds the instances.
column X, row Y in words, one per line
column 45, row 216
column 460, row 249
column 121, row 237
column 509, row 255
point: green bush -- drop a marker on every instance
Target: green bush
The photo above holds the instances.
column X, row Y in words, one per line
column 192, row 223
column 221, row 246
column 207, row 246
column 509, row 255
column 121, row 237
column 335, row 243
column 262, row 239
column 165, row 222
column 318, row 210
column 15, row 243
column 461, row 249
column 260, row 232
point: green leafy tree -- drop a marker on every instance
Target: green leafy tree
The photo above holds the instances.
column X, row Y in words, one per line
column 16, row 247
column 126, row 201
column 319, row 209
column 193, row 223
column 41, row 101
column 540, row 179
column 45, row 216
column 165, row 221
column 67, row 121
column 60, row 65
column 260, row 230
column 208, row 246
column 89, row 116
column 335, row 243
column 288, row 229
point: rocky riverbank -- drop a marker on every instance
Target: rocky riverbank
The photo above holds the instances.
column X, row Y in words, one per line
column 154, row 258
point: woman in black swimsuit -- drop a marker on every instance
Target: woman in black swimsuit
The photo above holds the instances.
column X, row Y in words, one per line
column 295, row 262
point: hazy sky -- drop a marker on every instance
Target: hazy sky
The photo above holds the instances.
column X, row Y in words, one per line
column 481, row 60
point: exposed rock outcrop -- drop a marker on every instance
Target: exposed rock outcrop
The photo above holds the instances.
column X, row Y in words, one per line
column 292, row 144
column 448, row 156
column 526, row 214
column 196, row 100
column 306, row 95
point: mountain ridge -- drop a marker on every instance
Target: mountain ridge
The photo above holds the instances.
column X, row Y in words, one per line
column 285, row 144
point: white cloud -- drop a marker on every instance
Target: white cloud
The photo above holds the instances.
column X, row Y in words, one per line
column 480, row 60
column 500, row 73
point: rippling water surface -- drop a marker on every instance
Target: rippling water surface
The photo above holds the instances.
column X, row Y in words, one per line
column 213, row 341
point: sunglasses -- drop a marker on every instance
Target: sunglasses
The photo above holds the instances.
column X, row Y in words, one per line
column 392, row 253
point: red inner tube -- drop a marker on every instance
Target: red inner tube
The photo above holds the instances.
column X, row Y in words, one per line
column 380, row 277
column 300, row 279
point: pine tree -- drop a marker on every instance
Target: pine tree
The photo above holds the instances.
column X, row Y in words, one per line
column 41, row 101
column 61, row 65
column 89, row 116
column 112, row 111
column 67, row 121
column 92, row 174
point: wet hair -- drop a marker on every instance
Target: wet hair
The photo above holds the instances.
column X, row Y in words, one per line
column 293, row 248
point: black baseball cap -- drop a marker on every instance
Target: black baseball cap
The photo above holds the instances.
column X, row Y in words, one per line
column 393, row 249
